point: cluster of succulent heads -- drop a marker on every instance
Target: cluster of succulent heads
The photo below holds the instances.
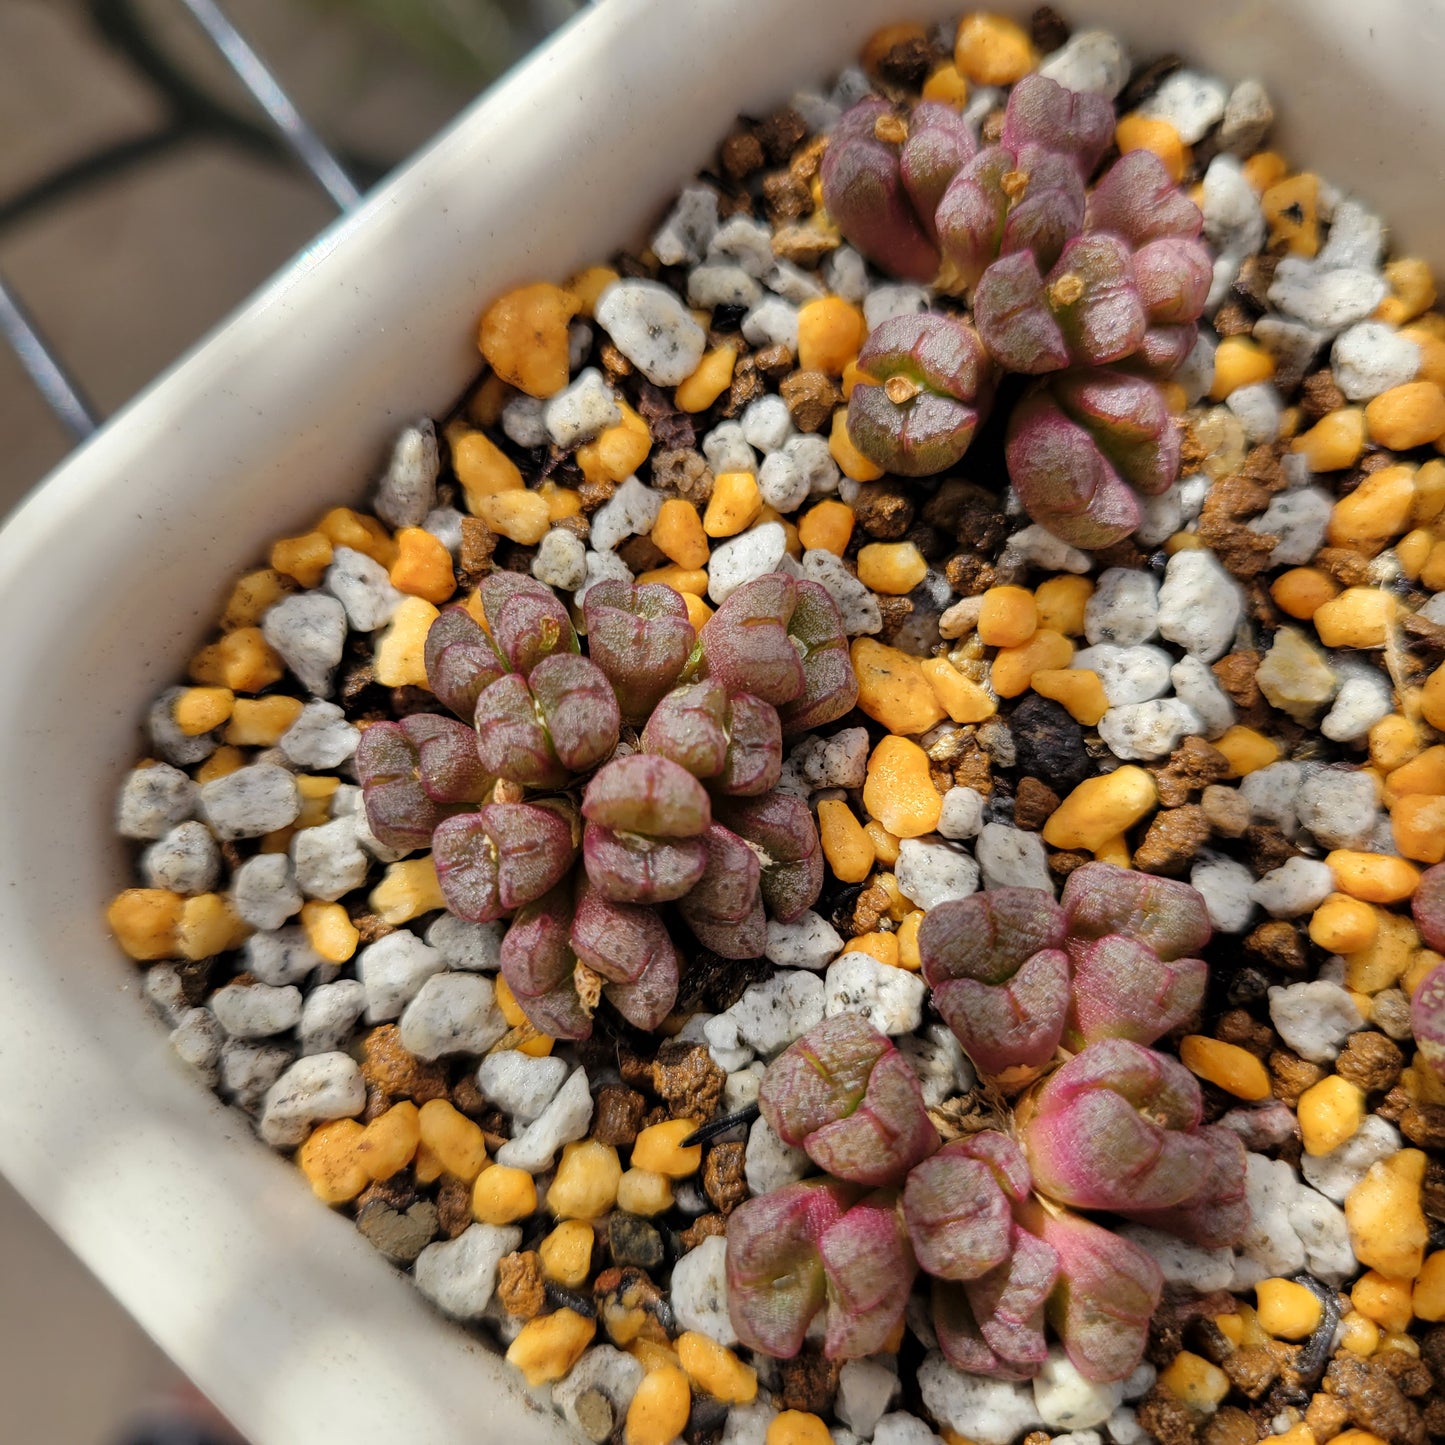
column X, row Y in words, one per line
column 1095, row 292
column 581, row 793
column 991, row 1216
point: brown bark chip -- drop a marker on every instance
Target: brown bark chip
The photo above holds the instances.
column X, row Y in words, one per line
column 1326, row 1416
column 723, row 1178
column 780, row 132
column 687, row 1080
column 811, row 397
column 1168, row 1420
column 1251, row 1370
column 1292, row 1075
column 1344, row 564
column 454, row 1207
column 1319, row 394
column 705, row 1226
column 1373, row 1062
column 785, row 197
column 807, row 1382
column 1034, row 804
column 683, row 472
column 1173, row 839
column 883, row 510
column 1267, row 849
column 1231, row 1426
column 1374, row 1400
column 1242, row 1029
column 520, row 1290
column 475, row 556
column 396, row 1072
column 619, row 1115
column 1422, row 1124
column 742, row 154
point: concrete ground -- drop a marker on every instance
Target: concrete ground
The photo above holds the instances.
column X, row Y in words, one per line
column 122, row 277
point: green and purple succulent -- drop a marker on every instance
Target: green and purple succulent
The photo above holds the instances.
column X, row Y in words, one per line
column 583, row 793
column 1094, row 292
column 1427, row 1003
column 1081, row 987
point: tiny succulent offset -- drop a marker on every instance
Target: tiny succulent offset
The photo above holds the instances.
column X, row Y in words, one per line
column 990, row 1217
column 1093, row 292
column 581, row 793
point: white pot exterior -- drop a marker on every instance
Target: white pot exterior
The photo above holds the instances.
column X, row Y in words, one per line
column 111, row 573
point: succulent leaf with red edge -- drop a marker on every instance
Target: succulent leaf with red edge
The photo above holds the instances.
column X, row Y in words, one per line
column 539, row 966
column 735, row 743
column 999, row 976
column 501, row 857
column 1118, row 1127
column 460, row 660
column 846, row 1096
column 869, row 1270
column 1427, row 1003
column 883, row 177
column 629, row 947
column 527, row 620
column 776, row 1282
column 415, row 773
column 724, row 908
column 1107, row 1291
column 929, row 386
column 780, row 827
column 640, row 637
column 1080, row 448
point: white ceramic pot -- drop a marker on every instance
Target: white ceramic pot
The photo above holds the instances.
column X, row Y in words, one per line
column 110, row 575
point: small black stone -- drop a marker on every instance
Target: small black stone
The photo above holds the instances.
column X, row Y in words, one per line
column 1049, row 744
column 634, row 1241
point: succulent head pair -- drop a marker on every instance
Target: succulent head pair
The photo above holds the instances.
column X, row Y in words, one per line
column 1094, row 292
column 652, row 760
column 1116, row 1127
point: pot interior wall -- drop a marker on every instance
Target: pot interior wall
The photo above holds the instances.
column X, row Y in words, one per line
column 109, row 576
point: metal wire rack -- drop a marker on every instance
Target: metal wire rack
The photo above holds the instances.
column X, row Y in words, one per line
column 287, row 133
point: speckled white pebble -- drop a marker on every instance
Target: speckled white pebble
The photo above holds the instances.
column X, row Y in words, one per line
column 885, row 302
column 329, row 1014
column 328, row 860
column 1233, row 219
column 561, row 560
column 1356, row 239
column 933, row 871
column 251, row 801
column 891, row 999
column 459, row 1275
column 1248, row 116
column 937, row 1058
column 651, row 327
column 1270, row 1244
column 581, row 409
column 392, row 970
column 363, row 587
column 1199, row 604
column 186, row 860
column 858, row 606
column 523, row 423
column 753, row 553
column 1336, row 1173
column 282, row 955
column 722, row 284
column 309, row 633
column 700, row 1293
column 1192, row 103
column 197, row 1040
column 1090, row 60
column 1196, row 686
column 1145, row 730
column 629, row 512
column 604, row 1369
column 684, row 235
column 313, row 1090
column 768, row 1163
column 792, row 283
column 782, row 484
column 1325, row 1234
column 320, row 737
column 1260, row 410
column 264, row 892
column 1185, row 1265
column 1364, row 698
column 992, row 1412
column 1034, row 545
column 1271, row 792
column 1372, row 357
column 865, row 1389
column 962, row 814
column 1127, row 674
column 747, row 241
column 564, row 1120
column 846, row 274
column 727, row 451
column 1298, row 519
column 601, row 567
column 772, row 322
column 256, row 1010
column 1339, row 806
column 899, row 1427
column 1324, row 299
column 249, row 1070
column 519, row 1084
column 1225, row 885
column 840, row 761
column 1299, row 885
column 1314, row 1018
column 407, row 490
column 809, row 941
column 153, row 800
column 1067, row 1401
column 452, row 1013
column 1012, row 857
column 1124, row 607
column 767, row 423
column 473, row 946
column 771, row 1014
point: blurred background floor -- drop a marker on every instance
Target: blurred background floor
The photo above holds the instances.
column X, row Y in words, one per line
column 122, row 273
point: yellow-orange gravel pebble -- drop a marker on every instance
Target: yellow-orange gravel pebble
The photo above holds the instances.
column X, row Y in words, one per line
column 1302, row 591
column 585, row 1185
column 713, row 376
column 1330, row 1113
column 899, row 790
column 1233, row 1069
column 1008, row 617
column 456, row 1141
column 659, row 1410
column 1358, row 617
column 1101, row 808
column 1387, row 1225
column 389, row 1142
column 523, row 335
column 715, row 1370
column 830, row 332
column 847, row 847
column 1335, row 441
column 797, row 1427
column 548, row 1346
column 1061, row 602
column 892, row 689
column 733, row 506
column 1286, row 1309
column 963, row 699
column 1239, row 361
column 679, row 535
column 659, row 1148
column 1376, row 512
column 1194, row 1382
column 503, row 1195
column 892, row 568
column 827, row 526
column 566, row 1253
column 1342, row 924
column 1373, row 877
column 1407, row 416
column 329, row 1161
column 1136, row 132
column 1078, row 690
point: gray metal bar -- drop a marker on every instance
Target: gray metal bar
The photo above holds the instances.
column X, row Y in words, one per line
column 62, row 395
column 253, row 73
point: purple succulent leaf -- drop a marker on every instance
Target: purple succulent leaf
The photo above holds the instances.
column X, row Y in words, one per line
column 1008, row 1302
column 1092, row 294
column 782, row 825
column 971, row 216
column 946, row 368
column 988, row 936
column 884, row 1136
column 1427, row 1017
column 1123, row 990
column 641, row 639
column 1170, row 916
column 1011, row 311
column 460, row 660
column 689, row 726
column 830, row 686
column 1173, row 275
column 1049, row 212
column 644, row 793
column 448, row 767
column 775, row 1279
column 959, row 1219
column 1077, row 124
column 512, row 741
column 620, row 941
column 580, row 708
column 724, row 908
column 1136, row 198
column 960, row 1338
column 1117, row 1127
column 465, row 857
column 1218, row 1216
column 538, row 963
column 869, row 1269
column 647, row 1000
column 628, row 868
column 822, row 1076
column 1004, row 1158
column 745, row 643
column 398, row 809
column 1014, row 1025
column 527, row 619
column 865, row 194
column 753, row 762
column 1165, row 349
column 1428, row 907
column 1107, row 1291
column 939, row 144
column 1128, row 421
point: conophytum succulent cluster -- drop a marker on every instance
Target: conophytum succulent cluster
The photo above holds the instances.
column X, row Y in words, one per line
column 1094, row 292
column 989, row 1216
column 651, row 760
